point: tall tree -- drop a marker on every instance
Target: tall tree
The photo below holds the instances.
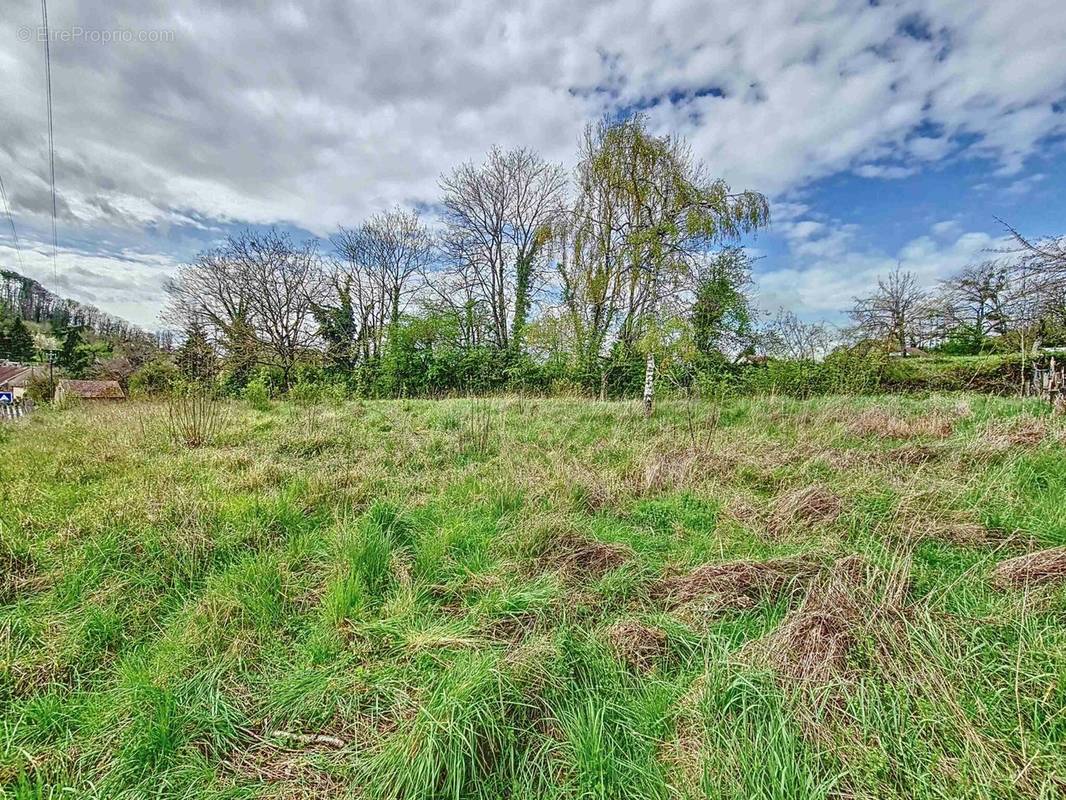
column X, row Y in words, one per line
column 894, row 312
column 75, row 356
column 16, row 341
column 339, row 327
column 378, row 267
column 722, row 316
column 498, row 218
column 255, row 293
column 196, row 358
column 646, row 212
column 976, row 298
column 787, row 336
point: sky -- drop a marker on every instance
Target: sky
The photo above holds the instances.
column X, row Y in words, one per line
column 882, row 132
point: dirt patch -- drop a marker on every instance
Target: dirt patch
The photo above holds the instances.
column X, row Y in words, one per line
column 736, row 584
column 1033, row 569
column 576, row 556
column 814, row 643
column 807, row 506
column 637, row 644
column 885, row 424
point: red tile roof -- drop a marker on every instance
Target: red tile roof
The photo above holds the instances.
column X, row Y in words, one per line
column 17, row 375
column 93, row 390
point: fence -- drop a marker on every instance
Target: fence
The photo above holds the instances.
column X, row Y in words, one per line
column 16, row 410
column 1049, row 383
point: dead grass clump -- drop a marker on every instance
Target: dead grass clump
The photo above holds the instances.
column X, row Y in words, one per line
column 593, row 493
column 666, row 471
column 574, row 555
column 589, row 488
column 18, row 575
column 637, row 644
column 965, row 534
column 814, row 643
column 291, row 773
column 810, row 505
column 1032, row 569
column 744, row 512
column 736, row 584
column 885, row 424
column 1002, row 435
column 914, row 455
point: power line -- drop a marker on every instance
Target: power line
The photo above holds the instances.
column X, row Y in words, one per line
column 11, row 220
column 51, row 140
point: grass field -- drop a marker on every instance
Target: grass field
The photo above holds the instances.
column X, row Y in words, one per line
column 537, row 598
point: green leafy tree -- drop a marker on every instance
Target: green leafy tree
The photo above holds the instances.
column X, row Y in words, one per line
column 646, row 214
column 16, row 341
column 75, row 355
column 154, row 379
column 722, row 315
column 338, row 326
column 196, row 357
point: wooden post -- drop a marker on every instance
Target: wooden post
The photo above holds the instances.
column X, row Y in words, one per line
column 649, row 384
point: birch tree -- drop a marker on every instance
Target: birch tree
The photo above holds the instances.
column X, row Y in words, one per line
column 645, row 213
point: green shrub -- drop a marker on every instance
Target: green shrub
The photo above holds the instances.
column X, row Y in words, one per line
column 257, row 394
column 156, row 378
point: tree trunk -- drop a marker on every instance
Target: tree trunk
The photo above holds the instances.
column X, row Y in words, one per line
column 523, row 276
column 649, row 384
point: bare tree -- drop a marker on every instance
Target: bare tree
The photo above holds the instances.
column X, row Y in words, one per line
column 257, row 291
column 499, row 217
column 894, row 313
column 977, row 297
column 378, row 267
column 787, row 336
column 1038, row 285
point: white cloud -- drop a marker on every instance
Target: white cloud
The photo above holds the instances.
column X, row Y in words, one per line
column 947, row 228
column 887, row 171
column 320, row 113
column 823, row 284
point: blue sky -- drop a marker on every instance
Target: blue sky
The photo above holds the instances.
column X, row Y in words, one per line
column 882, row 132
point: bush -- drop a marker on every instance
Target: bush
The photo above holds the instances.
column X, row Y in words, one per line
column 307, row 393
column 257, row 394
column 154, row 379
column 41, row 389
column 194, row 419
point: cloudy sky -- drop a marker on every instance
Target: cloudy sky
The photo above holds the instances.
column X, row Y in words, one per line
column 882, row 131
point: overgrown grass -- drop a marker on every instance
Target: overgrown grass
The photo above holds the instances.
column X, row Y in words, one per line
column 535, row 598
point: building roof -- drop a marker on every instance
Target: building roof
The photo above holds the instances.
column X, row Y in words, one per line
column 92, row 390
column 18, row 374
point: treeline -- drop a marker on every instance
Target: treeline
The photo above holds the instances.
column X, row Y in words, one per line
column 529, row 278
column 1014, row 301
column 625, row 273
column 25, row 299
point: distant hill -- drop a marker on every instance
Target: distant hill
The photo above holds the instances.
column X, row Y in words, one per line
column 29, row 300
